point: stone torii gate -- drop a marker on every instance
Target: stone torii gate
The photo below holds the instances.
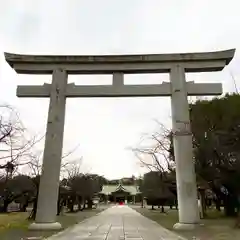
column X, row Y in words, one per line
column 118, row 65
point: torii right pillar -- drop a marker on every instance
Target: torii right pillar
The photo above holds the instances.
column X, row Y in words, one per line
column 182, row 141
column 189, row 216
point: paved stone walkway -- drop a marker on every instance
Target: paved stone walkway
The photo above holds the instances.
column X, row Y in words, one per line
column 117, row 223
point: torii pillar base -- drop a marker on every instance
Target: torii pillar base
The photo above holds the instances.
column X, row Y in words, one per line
column 45, row 226
column 186, row 226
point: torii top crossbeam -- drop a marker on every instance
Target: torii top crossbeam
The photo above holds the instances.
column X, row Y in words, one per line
column 108, row 64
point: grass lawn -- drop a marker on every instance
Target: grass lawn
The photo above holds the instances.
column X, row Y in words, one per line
column 216, row 226
column 14, row 226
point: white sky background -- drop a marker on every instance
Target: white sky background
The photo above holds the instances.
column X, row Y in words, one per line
column 104, row 128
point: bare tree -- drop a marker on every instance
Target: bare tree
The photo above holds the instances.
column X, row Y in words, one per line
column 73, row 168
column 15, row 144
column 35, row 167
column 155, row 155
column 68, row 165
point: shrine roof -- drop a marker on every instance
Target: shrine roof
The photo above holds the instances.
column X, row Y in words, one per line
column 109, row 189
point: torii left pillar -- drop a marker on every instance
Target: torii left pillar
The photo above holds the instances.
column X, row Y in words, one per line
column 47, row 206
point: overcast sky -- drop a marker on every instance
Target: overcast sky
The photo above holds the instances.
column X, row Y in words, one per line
column 105, row 128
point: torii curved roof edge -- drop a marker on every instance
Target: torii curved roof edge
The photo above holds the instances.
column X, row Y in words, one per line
column 106, row 64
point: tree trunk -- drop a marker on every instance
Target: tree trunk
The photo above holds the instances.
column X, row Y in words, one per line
column 90, row 203
column 79, row 203
column 84, row 204
column 70, row 203
column 176, row 204
column 162, row 209
column 229, row 206
column 33, row 213
column 59, row 206
column 218, row 204
column 203, row 202
column 23, row 207
column 71, row 206
column 142, row 202
column 237, row 223
column 5, row 206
